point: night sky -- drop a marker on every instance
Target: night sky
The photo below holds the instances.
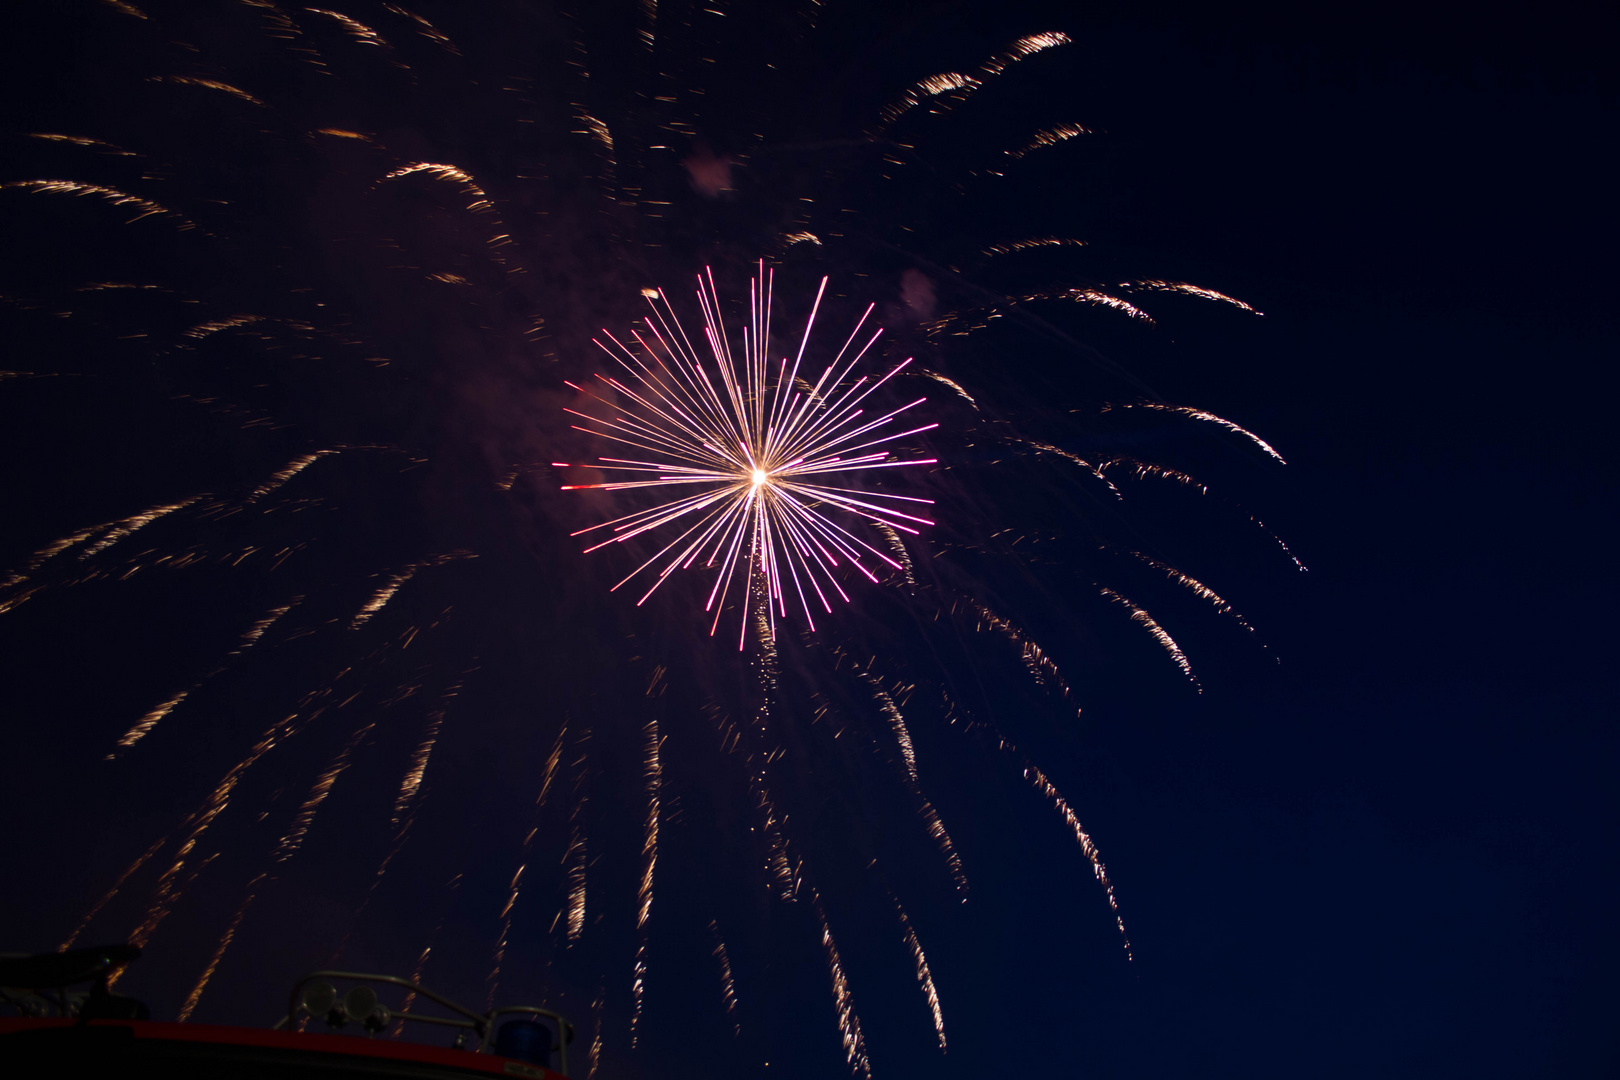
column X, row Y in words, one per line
column 1381, row 841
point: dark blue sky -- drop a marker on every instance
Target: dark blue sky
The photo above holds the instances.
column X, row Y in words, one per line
column 1398, row 858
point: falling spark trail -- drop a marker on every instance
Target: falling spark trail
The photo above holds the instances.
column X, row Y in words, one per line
column 925, row 978
column 1286, row 550
column 931, row 821
column 195, row 996
column 1154, row 285
column 1158, row 633
column 427, row 950
column 897, row 723
column 1040, row 665
column 950, row 88
column 292, row 469
column 897, row 546
column 409, row 799
column 81, row 140
column 728, row 989
column 849, row 1024
column 760, row 755
column 481, row 203
column 250, row 637
column 548, row 774
column 146, row 723
column 1032, row 242
column 131, row 524
column 1198, row 588
column 933, row 86
column 954, row 385
column 410, row 786
column 493, row 982
column 397, row 580
column 1039, row 781
column 359, row 31
column 595, row 1051
column 574, row 856
column 112, row 892
column 1211, row 418
column 294, row 839
column 170, row 884
column 50, row 551
column 426, row 29
column 416, row 977
column 1144, row 469
column 1022, row 48
column 653, row 772
column 112, row 196
column 1049, row 137
column 208, row 84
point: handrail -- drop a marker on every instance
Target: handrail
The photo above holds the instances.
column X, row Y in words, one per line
column 481, row 1023
column 477, row 1021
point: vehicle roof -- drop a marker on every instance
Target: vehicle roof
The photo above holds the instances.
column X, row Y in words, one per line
column 219, row 1043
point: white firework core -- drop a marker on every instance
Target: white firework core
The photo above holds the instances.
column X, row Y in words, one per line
column 751, row 447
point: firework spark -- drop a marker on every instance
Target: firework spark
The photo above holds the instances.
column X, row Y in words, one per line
column 925, row 978
column 849, row 1024
column 649, row 865
column 728, row 988
column 749, row 446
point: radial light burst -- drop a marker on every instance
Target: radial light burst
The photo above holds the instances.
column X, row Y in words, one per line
column 755, row 452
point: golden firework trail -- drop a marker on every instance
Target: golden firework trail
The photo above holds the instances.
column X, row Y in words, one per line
column 1039, row 665
column 728, row 988
column 949, row 88
column 406, row 804
column 1032, row 242
column 849, row 1024
column 756, row 447
column 172, row 884
column 649, row 863
column 548, row 774
column 281, row 476
column 1043, row 784
column 381, row 597
column 494, row 981
column 1049, row 137
column 1200, row 414
column 574, row 857
column 1159, row 634
column 250, row 637
column 594, row 1051
column 925, row 809
column 112, row 892
column 480, row 204
column 209, row 84
column 112, row 196
column 225, row 940
column 318, row 793
column 925, row 978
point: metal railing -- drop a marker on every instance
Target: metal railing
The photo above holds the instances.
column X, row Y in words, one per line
column 379, row 1016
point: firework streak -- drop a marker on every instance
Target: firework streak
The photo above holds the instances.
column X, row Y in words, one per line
column 750, row 445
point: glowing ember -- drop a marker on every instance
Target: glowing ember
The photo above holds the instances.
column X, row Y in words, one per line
column 748, row 443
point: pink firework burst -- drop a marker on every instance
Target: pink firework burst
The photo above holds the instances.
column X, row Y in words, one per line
column 753, row 454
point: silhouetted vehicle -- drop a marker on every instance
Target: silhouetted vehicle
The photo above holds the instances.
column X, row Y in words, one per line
column 64, row 1032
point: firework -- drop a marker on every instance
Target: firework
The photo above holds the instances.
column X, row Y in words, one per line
column 752, row 450
column 362, row 258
